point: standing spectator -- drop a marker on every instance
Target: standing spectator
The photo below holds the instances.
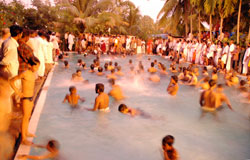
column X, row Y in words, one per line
column 9, row 55
column 246, row 60
column 235, row 58
column 66, row 35
column 5, row 35
column 25, row 52
column 71, row 41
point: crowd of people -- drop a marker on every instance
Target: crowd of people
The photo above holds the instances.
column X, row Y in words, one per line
column 27, row 56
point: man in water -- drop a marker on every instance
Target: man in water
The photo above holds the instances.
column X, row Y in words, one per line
column 173, row 86
column 102, row 100
column 73, row 97
column 112, row 75
column 133, row 112
column 208, row 97
column 116, row 91
column 221, row 97
column 100, row 73
column 152, row 69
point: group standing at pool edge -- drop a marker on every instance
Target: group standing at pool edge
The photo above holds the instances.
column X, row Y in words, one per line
column 30, row 59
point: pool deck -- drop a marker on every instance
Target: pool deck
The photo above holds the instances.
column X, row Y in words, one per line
column 41, row 88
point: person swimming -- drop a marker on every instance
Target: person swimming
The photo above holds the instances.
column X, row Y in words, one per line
column 152, row 69
column 77, row 76
column 112, row 75
column 173, row 86
column 233, row 80
column 52, row 148
column 169, row 152
column 133, row 112
column 92, row 68
column 119, row 71
column 66, row 64
column 102, row 100
column 100, row 73
column 116, row 91
column 73, row 97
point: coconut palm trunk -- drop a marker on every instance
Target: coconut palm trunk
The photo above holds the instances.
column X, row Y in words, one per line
column 221, row 26
column 210, row 27
column 238, row 23
column 191, row 23
column 199, row 26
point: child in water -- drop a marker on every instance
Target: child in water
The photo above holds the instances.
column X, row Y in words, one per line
column 73, row 97
column 173, row 86
column 52, row 148
column 169, row 151
column 28, row 78
column 132, row 112
column 66, row 64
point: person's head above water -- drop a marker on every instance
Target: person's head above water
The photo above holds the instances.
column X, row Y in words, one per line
column 152, row 64
column 53, row 145
column 92, row 66
column 112, row 81
column 123, row 108
column 119, row 68
column 116, row 64
column 72, row 89
column 110, row 63
column 99, row 88
column 174, row 78
column 100, row 69
column 212, row 83
column 167, row 142
column 130, row 61
column 66, row 63
column 79, row 61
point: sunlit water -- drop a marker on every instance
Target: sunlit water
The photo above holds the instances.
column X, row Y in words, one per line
column 85, row 135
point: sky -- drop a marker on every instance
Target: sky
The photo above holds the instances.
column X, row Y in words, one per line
column 147, row 7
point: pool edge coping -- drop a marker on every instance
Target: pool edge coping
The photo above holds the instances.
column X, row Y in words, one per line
column 25, row 149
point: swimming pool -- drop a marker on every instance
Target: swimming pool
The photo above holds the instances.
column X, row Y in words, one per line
column 114, row 136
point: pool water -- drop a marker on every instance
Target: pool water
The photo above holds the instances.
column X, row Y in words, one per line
column 86, row 135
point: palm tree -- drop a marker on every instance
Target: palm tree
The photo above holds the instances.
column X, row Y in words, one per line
column 174, row 12
column 225, row 8
column 199, row 4
column 238, row 23
column 210, row 6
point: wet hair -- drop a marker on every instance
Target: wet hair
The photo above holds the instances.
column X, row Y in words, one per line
column 112, row 81
column 71, row 88
column 205, row 68
column 122, row 107
column 100, row 87
column 60, row 56
column 175, row 78
column 106, row 66
column 212, row 82
column 242, row 82
column 66, row 63
column 110, row 63
column 53, row 144
column 214, row 71
column 116, row 64
column 100, row 69
column 33, row 61
column 152, row 64
column 112, row 70
column 220, row 86
column 168, row 140
column 79, row 61
column 130, row 61
column 92, row 66
column 15, row 30
column 84, row 65
column 78, row 70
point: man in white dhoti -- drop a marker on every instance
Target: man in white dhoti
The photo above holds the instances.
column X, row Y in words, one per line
column 246, row 60
column 229, row 56
column 198, row 53
column 71, row 41
column 225, row 53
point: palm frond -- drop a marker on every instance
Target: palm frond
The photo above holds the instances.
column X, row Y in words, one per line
column 168, row 7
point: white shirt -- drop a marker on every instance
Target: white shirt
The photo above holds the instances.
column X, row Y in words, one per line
column 10, row 56
column 247, row 53
column 49, row 53
column 71, row 39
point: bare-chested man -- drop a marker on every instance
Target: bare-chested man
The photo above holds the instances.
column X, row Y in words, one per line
column 221, row 97
column 102, row 100
column 116, row 91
